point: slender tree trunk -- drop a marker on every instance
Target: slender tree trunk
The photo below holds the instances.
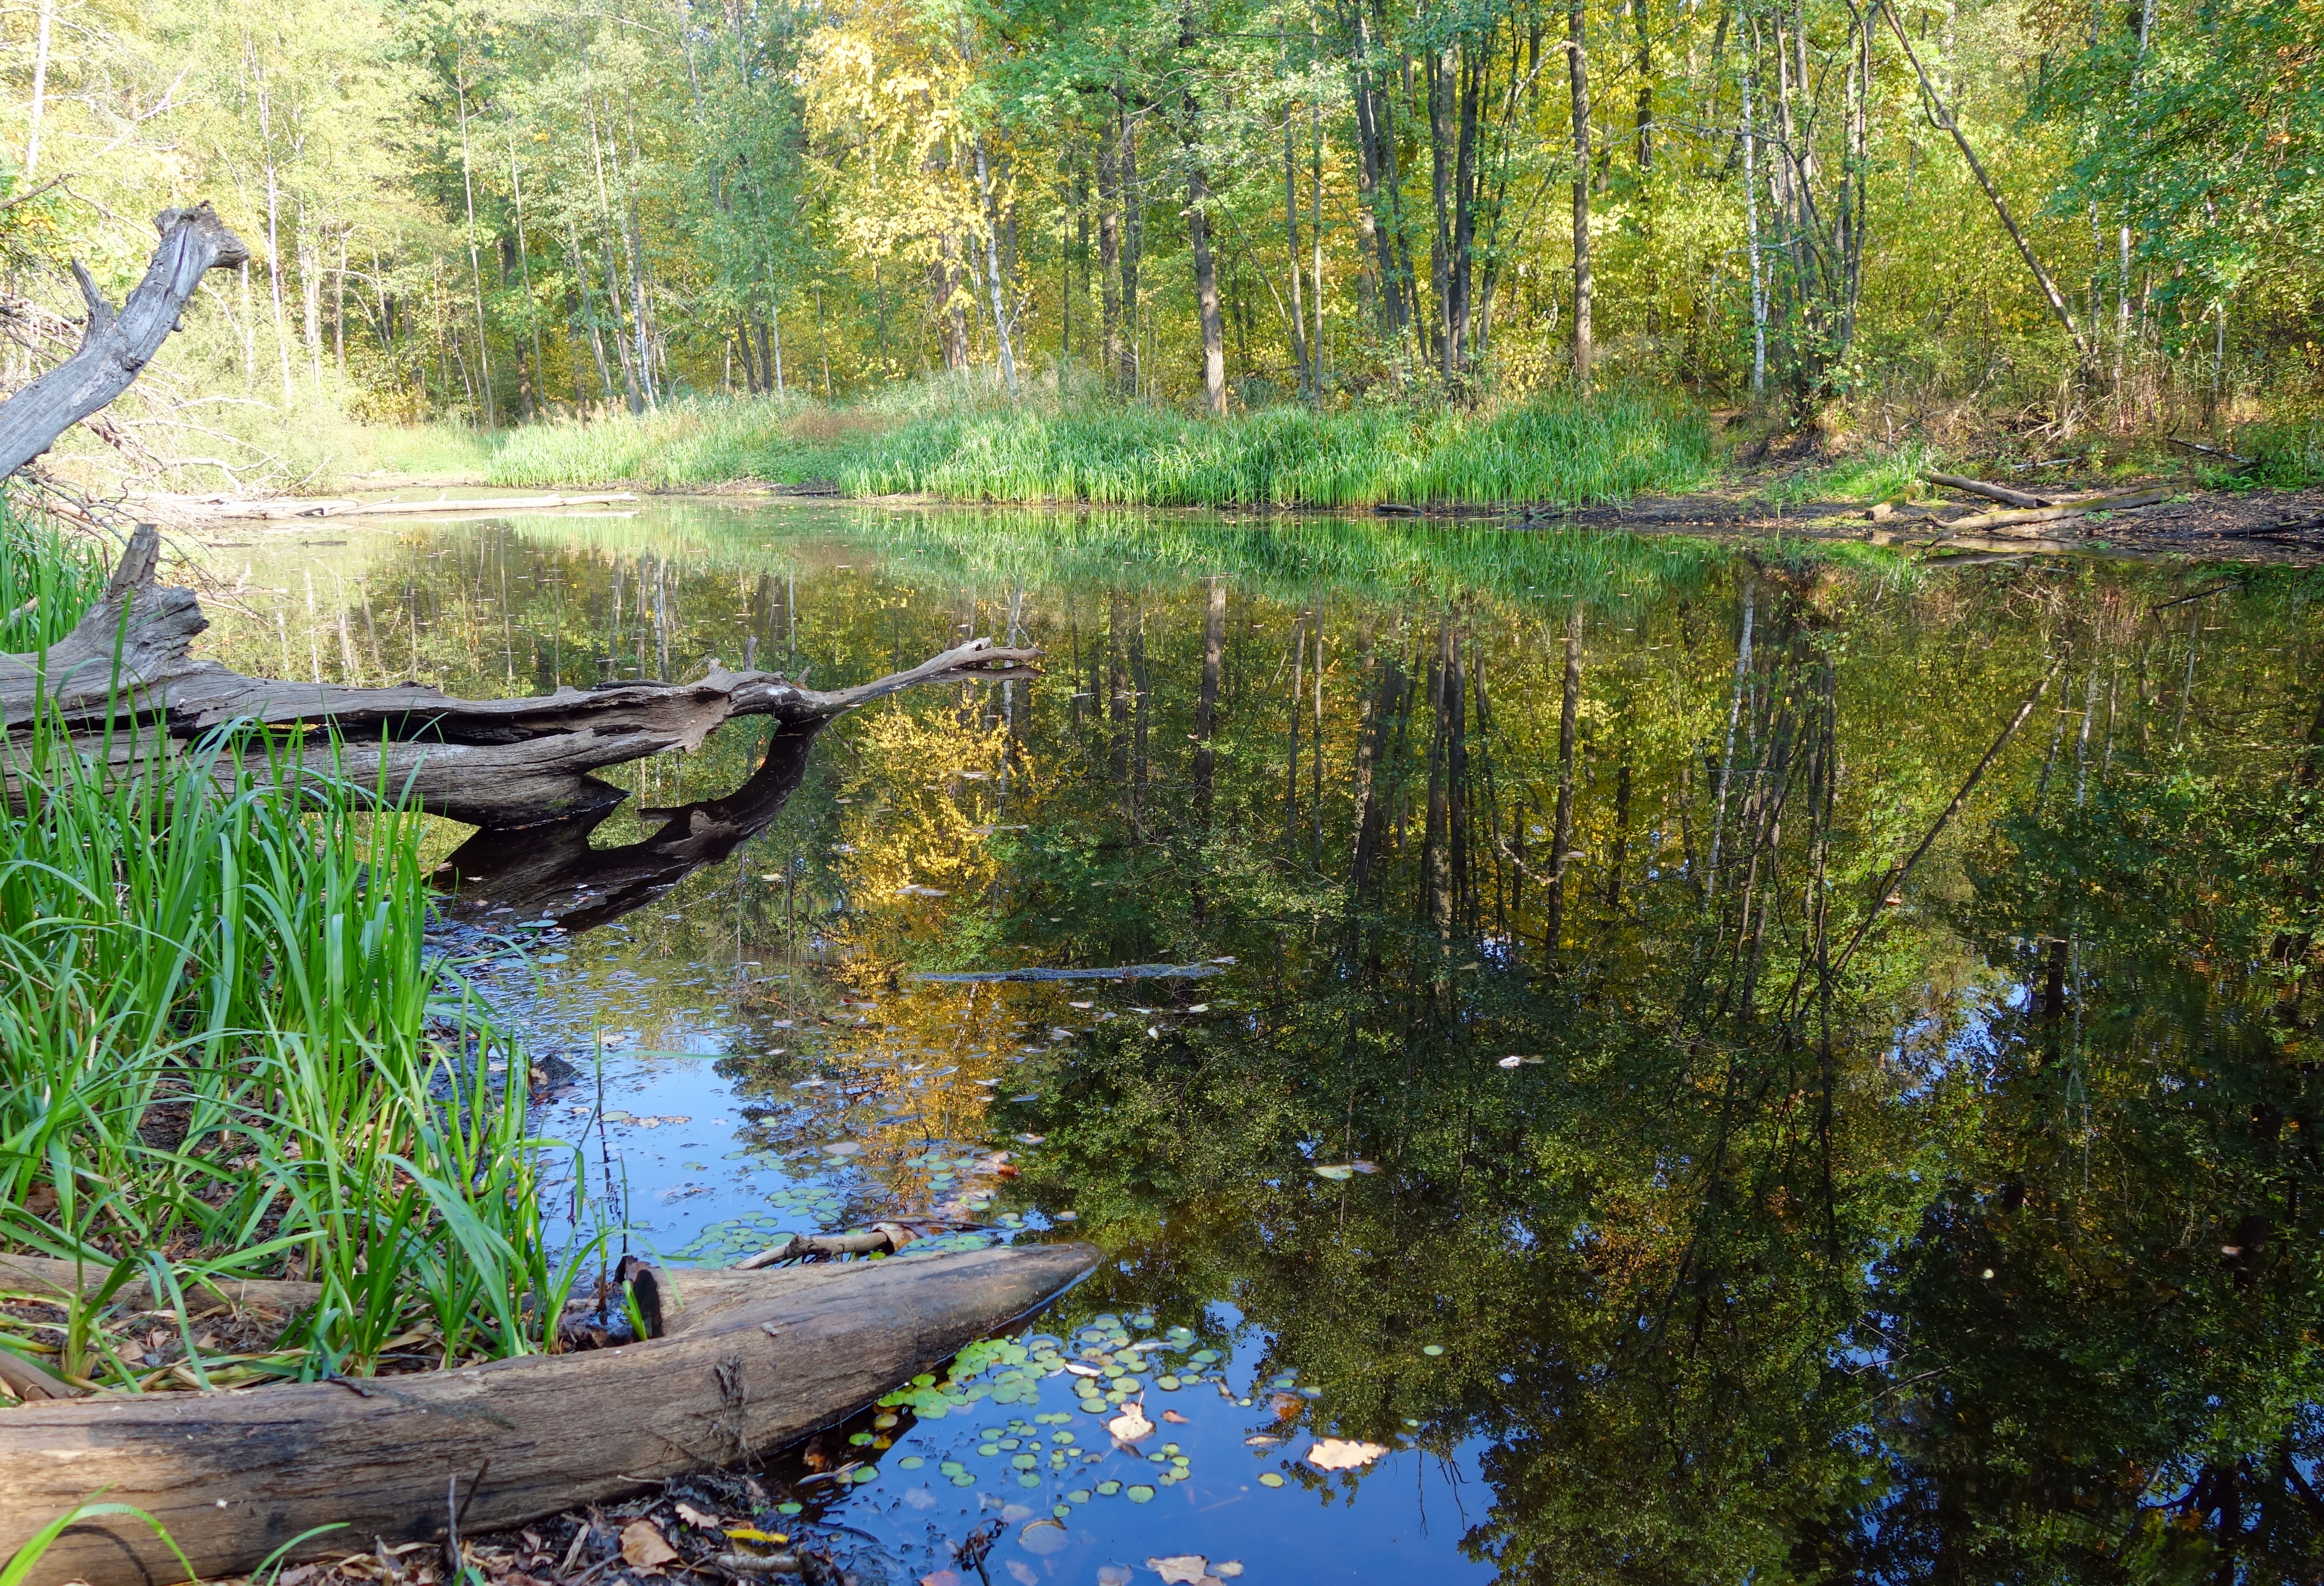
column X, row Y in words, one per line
column 1206, row 703
column 475, row 261
column 1198, row 237
column 1568, row 707
column 40, row 89
column 1114, row 354
column 1577, row 60
column 1008, row 354
column 1291, row 232
column 1133, row 251
column 524, row 263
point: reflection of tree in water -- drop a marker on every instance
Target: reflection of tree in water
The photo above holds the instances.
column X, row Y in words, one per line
column 1711, row 1274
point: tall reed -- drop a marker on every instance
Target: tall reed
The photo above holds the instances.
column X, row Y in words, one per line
column 228, row 1050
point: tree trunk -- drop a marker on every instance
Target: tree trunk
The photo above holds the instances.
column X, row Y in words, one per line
column 1113, row 354
column 1577, row 61
column 1568, row 707
column 114, row 346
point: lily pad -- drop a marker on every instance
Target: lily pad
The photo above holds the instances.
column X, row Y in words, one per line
column 1270, row 1478
column 1141, row 1493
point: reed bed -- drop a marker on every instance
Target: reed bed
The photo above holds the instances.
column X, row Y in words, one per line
column 1555, row 449
column 227, row 1051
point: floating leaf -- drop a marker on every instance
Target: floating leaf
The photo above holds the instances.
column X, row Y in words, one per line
column 1141, row 1494
column 1510, row 1063
column 1130, row 1424
column 1174, row 1418
column 1261, row 1440
column 1184, row 1569
column 1338, row 1453
column 1336, row 1175
column 843, row 1148
column 1432, row 1348
column 1227, row 1569
column 1270, row 1478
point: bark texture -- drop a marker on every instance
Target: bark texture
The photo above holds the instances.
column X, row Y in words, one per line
column 749, row 1361
column 115, row 344
column 126, row 683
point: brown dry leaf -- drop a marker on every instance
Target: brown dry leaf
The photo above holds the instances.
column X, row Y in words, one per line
column 695, row 1516
column 1285, row 1405
column 643, row 1547
column 1175, row 1418
column 1338, row 1453
column 1130, row 1424
column 1185, row 1568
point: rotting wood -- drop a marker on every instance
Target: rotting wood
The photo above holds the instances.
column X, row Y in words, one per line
column 126, row 685
column 42, row 1278
column 2051, row 514
column 117, row 344
column 750, row 1361
column 2001, row 493
column 886, row 1237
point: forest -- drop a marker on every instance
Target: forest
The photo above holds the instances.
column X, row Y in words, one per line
column 1955, row 221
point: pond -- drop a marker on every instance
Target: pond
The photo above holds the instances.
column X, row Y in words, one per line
column 1683, row 1061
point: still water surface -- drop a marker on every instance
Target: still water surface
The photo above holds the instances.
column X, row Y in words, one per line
column 1600, row 1073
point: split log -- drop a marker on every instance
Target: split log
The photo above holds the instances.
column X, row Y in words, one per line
column 114, row 345
column 126, row 683
column 750, row 1361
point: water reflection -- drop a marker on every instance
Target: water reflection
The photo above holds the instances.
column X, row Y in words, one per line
column 1775, row 1211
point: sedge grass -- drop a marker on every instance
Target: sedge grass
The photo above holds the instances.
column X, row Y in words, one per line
column 1559, row 449
column 227, row 1050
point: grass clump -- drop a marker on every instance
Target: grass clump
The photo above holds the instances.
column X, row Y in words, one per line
column 227, row 1052
column 946, row 441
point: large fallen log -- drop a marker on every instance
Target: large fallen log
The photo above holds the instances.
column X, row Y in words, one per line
column 748, row 1362
column 126, row 683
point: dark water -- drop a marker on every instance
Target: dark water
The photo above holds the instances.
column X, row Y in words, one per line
column 1771, row 1177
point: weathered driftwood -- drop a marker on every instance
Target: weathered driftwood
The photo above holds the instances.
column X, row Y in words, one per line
column 126, row 683
column 749, row 1361
column 2064, row 508
column 114, row 345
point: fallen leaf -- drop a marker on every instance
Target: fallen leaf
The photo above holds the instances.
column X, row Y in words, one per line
column 1185, row 1568
column 942, row 1578
column 1285, row 1405
column 1510, row 1063
column 643, row 1547
column 1261, row 1440
column 1130, row 1424
column 1363, row 1166
column 1175, row 1418
column 1227, row 1570
column 1022, row 1573
column 695, row 1516
column 1335, row 1175
column 1042, row 1538
column 1336, row 1453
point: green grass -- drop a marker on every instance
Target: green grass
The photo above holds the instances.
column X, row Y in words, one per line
column 226, row 1051
column 948, row 441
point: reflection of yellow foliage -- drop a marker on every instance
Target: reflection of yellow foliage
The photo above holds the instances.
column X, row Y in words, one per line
column 941, row 773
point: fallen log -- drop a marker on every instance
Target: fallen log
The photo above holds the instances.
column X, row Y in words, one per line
column 2051, row 514
column 2000, row 493
column 747, row 1361
column 279, row 511
column 126, row 683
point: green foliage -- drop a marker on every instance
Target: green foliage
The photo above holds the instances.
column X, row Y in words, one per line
column 1557, row 449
